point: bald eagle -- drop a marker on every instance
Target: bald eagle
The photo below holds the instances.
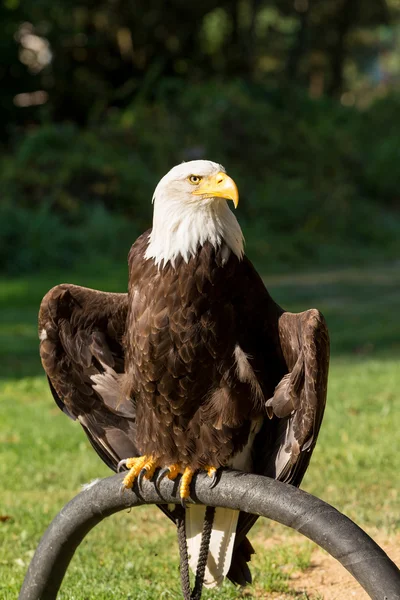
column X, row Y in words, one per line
column 196, row 367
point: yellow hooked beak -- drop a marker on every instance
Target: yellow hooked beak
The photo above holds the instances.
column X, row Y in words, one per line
column 218, row 186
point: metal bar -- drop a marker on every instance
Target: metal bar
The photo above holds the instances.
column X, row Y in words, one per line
column 312, row 517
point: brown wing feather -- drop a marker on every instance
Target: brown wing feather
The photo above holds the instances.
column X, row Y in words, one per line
column 285, row 443
column 81, row 350
column 299, row 398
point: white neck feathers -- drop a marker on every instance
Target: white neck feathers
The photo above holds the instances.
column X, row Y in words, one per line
column 180, row 228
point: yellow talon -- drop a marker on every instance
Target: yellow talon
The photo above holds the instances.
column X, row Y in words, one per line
column 150, row 467
column 135, row 465
column 184, row 489
column 146, row 466
column 211, row 471
column 131, row 463
column 174, row 471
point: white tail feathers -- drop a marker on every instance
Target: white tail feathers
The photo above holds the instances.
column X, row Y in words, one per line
column 221, row 542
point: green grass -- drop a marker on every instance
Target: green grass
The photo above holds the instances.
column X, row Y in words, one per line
column 45, row 458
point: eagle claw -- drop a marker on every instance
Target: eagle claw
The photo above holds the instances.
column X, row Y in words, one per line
column 213, row 481
column 122, row 463
column 140, row 477
column 163, row 472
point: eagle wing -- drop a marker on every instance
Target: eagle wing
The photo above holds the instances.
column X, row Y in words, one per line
column 299, row 398
column 284, row 445
column 81, row 333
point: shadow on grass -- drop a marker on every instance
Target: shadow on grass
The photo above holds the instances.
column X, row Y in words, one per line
column 360, row 305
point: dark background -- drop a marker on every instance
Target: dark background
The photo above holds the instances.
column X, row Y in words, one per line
column 300, row 100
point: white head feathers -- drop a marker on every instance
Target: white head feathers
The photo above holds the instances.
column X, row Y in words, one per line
column 187, row 214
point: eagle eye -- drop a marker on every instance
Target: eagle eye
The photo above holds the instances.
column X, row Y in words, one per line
column 194, row 179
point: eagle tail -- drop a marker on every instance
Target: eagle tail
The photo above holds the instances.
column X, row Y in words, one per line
column 221, row 542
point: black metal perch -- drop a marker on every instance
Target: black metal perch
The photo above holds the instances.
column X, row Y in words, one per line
column 312, row 517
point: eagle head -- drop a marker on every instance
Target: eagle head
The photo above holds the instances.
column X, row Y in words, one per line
column 190, row 209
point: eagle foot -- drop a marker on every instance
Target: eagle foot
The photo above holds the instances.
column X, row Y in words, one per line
column 172, row 471
column 184, row 489
column 139, row 467
column 143, row 467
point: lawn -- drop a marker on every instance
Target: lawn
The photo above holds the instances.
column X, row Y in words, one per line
column 45, row 457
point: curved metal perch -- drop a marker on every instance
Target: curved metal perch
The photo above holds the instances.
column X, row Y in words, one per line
column 312, row 517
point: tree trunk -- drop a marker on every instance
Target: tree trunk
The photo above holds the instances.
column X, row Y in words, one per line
column 299, row 47
column 346, row 18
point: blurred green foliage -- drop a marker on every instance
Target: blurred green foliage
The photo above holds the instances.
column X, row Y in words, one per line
column 100, row 99
column 90, row 56
column 319, row 182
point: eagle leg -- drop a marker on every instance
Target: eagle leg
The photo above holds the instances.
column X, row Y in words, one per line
column 140, row 465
